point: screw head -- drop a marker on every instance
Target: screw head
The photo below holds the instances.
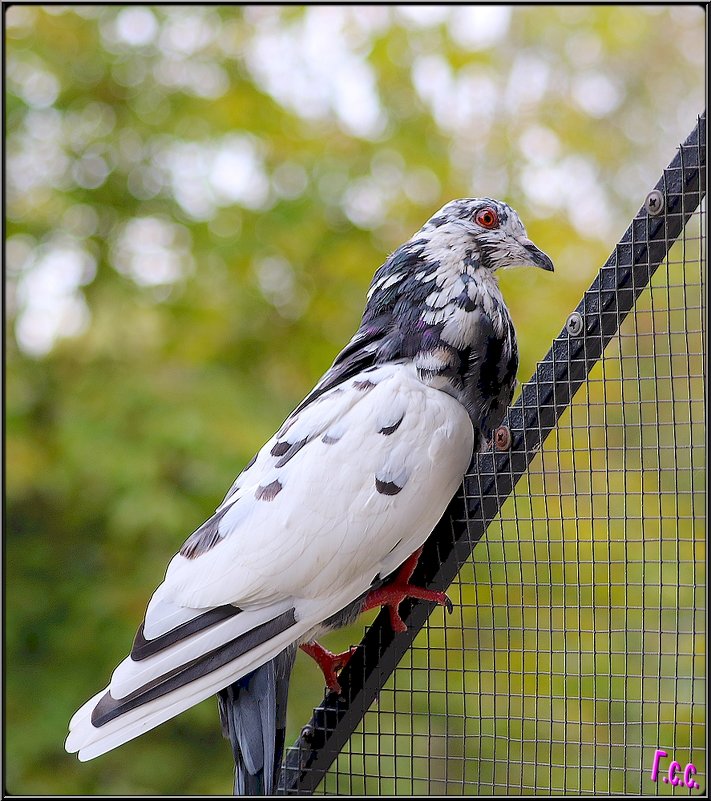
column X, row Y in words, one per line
column 654, row 204
column 502, row 438
column 574, row 324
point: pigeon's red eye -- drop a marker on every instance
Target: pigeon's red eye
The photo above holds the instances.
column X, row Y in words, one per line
column 487, row 218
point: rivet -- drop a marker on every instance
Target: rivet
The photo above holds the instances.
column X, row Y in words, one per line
column 502, row 438
column 574, row 324
column 654, row 203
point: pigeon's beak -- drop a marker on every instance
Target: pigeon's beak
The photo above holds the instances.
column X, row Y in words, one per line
column 536, row 257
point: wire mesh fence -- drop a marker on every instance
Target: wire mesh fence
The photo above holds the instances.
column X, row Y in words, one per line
column 576, row 647
column 576, row 652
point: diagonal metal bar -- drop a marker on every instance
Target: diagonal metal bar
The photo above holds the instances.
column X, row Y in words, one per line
column 493, row 475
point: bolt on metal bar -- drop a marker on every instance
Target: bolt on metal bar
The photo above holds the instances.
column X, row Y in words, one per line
column 493, row 474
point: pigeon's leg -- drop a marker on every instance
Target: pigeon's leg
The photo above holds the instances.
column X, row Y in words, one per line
column 329, row 663
column 394, row 593
column 391, row 595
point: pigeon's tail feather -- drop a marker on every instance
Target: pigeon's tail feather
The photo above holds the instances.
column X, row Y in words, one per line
column 107, row 720
column 253, row 715
column 171, row 669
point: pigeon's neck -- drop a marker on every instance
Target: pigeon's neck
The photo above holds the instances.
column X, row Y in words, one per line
column 433, row 303
column 469, row 316
column 467, row 344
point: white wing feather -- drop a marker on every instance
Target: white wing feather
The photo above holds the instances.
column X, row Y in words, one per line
column 314, row 545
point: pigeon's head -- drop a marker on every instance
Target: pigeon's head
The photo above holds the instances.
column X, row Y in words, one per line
column 434, row 287
column 490, row 229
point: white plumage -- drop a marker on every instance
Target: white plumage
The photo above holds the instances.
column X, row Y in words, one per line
column 313, row 546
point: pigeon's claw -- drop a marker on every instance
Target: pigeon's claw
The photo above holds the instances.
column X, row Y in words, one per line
column 393, row 594
column 330, row 663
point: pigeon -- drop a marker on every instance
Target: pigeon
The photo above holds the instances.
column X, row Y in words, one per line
column 329, row 517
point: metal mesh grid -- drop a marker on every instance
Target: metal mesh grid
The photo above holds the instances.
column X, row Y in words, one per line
column 577, row 646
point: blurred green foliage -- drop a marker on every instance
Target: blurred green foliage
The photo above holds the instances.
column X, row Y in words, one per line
column 197, row 198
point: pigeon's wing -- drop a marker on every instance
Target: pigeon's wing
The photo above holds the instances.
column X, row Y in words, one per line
column 347, row 489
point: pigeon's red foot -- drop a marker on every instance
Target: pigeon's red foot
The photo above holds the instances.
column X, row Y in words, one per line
column 393, row 594
column 329, row 663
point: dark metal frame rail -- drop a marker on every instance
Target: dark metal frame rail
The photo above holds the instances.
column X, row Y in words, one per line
column 493, row 475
